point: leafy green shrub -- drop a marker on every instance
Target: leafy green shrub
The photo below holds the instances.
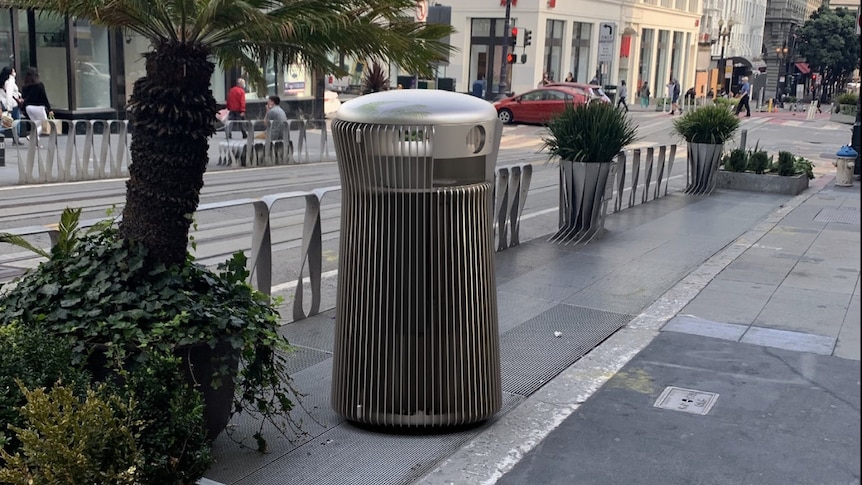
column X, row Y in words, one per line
column 785, row 165
column 34, row 359
column 168, row 422
column 592, row 132
column 727, row 103
column 709, row 124
column 758, row 162
column 105, row 292
column 847, row 98
column 67, row 439
column 736, row 160
column 802, row 165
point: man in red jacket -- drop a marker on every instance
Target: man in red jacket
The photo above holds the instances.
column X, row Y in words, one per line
column 236, row 105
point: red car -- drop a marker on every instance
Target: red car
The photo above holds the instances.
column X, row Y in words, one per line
column 542, row 104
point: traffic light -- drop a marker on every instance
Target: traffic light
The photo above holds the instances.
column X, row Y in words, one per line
column 513, row 37
column 511, row 58
column 528, row 37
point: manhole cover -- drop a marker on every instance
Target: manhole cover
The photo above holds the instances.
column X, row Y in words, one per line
column 686, row 400
column 843, row 215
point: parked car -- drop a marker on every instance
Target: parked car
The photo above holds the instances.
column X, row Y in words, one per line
column 541, row 104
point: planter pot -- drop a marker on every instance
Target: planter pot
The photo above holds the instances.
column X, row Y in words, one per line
column 765, row 182
column 582, row 190
column 703, row 162
column 198, row 369
column 844, row 113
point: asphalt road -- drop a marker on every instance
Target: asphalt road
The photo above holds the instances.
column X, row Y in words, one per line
column 223, row 231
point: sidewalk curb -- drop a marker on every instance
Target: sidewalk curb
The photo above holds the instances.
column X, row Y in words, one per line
column 496, row 450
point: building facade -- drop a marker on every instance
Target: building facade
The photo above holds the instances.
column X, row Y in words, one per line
column 606, row 40
column 788, row 72
column 89, row 71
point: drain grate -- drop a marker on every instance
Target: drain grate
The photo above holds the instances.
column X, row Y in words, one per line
column 536, row 351
column 686, row 400
column 843, row 215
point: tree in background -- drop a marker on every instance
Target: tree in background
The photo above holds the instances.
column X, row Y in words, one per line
column 172, row 107
column 830, row 46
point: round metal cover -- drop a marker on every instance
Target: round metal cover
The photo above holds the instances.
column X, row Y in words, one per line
column 417, row 106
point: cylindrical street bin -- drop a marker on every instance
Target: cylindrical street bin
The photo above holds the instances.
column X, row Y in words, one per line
column 416, row 331
column 846, row 160
column 611, row 92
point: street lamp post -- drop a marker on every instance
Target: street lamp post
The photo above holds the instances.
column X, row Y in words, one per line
column 780, row 86
column 723, row 34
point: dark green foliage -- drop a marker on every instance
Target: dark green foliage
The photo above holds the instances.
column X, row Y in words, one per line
column 802, row 165
column 67, row 439
column 847, row 98
column 374, row 80
column 709, row 124
column 33, row 358
column 169, row 423
column 736, row 160
column 758, row 162
column 785, row 163
column 829, row 43
column 592, row 132
column 108, row 292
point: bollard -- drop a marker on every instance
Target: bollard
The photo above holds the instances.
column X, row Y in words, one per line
column 2, row 150
column 743, row 138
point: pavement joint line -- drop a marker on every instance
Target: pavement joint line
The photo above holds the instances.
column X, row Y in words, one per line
column 495, row 451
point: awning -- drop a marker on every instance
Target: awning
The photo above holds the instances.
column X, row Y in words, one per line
column 803, row 67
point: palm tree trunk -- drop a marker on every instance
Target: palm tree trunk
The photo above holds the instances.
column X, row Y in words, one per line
column 170, row 111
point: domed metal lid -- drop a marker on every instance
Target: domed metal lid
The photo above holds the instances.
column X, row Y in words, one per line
column 417, row 107
column 846, row 151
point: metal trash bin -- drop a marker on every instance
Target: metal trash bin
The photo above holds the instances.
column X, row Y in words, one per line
column 416, row 332
column 845, row 162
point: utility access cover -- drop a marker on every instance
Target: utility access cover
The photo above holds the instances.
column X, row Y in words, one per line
column 686, row 400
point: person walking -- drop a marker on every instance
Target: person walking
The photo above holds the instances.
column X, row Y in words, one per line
column 275, row 118
column 236, row 106
column 623, row 93
column 645, row 94
column 36, row 103
column 744, row 92
column 673, row 90
column 11, row 99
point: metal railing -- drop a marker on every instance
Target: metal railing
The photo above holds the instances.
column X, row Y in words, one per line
column 76, row 150
column 511, row 186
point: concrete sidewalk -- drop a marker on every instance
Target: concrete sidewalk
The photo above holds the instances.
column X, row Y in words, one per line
column 746, row 371
column 753, row 297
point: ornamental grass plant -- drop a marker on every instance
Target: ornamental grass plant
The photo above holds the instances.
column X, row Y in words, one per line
column 592, row 132
column 710, row 124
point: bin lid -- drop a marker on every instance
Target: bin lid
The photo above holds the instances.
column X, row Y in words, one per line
column 846, row 151
column 417, row 106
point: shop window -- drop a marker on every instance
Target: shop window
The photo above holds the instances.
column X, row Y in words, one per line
column 92, row 65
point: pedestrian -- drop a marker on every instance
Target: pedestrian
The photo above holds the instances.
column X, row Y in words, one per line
column 275, row 118
column 479, row 87
column 594, row 81
column 545, row 80
column 570, row 78
column 645, row 94
column 673, row 90
column 236, row 106
column 36, row 103
column 744, row 92
column 689, row 97
column 11, row 99
column 623, row 93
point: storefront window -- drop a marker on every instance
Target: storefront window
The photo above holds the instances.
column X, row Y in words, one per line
column 92, row 65
column 646, row 60
column 6, row 53
column 662, row 73
column 553, row 61
column 581, row 51
column 133, row 60
column 51, row 35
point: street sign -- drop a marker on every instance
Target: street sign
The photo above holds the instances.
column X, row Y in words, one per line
column 606, row 41
column 606, row 32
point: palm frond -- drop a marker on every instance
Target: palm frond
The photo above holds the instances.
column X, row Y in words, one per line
column 22, row 243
